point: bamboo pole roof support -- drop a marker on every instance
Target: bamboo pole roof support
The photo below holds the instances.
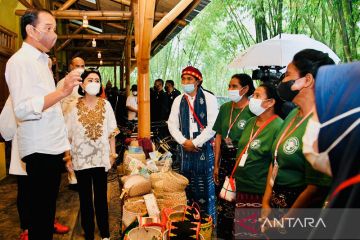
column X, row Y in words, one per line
column 169, row 18
column 114, row 37
column 67, row 4
column 100, row 15
column 124, row 2
column 146, row 22
column 127, row 65
column 26, row 4
column 64, row 44
column 117, row 26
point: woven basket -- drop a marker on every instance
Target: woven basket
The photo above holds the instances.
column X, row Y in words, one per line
column 144, row 233
column 166, row 237
column 206, row 229
column 131, row 210
column 136, row 185
column 174, row 182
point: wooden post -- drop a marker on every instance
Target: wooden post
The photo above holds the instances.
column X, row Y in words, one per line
column 121, row 74
column 127, row 65
column 145, row 26
column 67, row 4
column 115, row 74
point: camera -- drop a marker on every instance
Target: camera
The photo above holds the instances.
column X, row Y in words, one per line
column 268, row 74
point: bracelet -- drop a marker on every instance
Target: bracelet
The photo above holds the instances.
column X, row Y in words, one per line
column 114, row 155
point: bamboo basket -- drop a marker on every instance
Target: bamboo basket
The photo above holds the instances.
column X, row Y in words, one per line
column 166, row 237
column 174, row 182
column 131, row 210
column 206, row 229
column 144, row 233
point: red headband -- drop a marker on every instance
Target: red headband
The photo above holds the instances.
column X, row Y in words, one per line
column 189, row 70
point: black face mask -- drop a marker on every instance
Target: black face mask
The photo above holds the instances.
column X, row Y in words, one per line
column 284, row 90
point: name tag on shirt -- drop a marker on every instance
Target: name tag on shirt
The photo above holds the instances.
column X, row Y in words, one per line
column 193, row 127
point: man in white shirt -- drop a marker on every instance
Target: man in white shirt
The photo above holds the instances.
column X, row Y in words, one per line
column 69, row 102
column 41, row 132
column 132, row 104
column 192, row 117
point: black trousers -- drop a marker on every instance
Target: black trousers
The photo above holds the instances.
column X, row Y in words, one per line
column 23, row 202
column 89, row 179
column 44, row 175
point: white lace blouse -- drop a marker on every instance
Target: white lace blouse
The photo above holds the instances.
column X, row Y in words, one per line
column 89, row 132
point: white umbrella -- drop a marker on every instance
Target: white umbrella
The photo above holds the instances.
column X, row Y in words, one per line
column 278, row 51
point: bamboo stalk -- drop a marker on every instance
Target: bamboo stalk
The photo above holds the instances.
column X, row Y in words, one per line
column 26, row 4
column 92, row 49
column 169, row 18
column 127, row 65
column 64, row 44
column 116, row 25
column 121, row 75
column 100, row 15
column 67, row 4
column 113, row 37
column 146, row 26
column 124, row 2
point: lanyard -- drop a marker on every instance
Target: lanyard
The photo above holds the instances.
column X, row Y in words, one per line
column 193, row 112
column 272, row 118
column 283, row 137
column 231, row 124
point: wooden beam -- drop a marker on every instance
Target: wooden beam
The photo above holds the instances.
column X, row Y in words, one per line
column 170, row 17
column 88, row 30
column 100, row 15
column 117, row 26
column 67, row 4
column 146, row 25
column 114, row 37
column 26, row 4
column 123, row 2
column 64, row 44
column 92, row 49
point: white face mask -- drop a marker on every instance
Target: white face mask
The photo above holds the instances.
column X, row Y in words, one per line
column 134, row 93
column 234, row 95
column 255, row 106
column 320, row 161
column 92, row 88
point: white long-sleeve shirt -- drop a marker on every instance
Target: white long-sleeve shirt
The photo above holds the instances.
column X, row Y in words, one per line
column 8, row 126
column 29, row 80
column 174, row 125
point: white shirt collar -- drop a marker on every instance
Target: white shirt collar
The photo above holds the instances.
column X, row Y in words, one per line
column 32, row 51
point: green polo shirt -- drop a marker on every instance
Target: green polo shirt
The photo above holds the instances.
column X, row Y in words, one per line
column 252, row 177
column 221, row 125
column 294, row 169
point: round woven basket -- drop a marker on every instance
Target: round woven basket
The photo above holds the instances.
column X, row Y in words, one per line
column 144, row 233
column 174, row 182
column 206, row 228
column 131, row 210
column 166, row 237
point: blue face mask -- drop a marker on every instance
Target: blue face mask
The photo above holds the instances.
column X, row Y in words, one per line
column 188, row 88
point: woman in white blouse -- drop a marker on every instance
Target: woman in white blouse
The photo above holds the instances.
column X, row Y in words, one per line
column 91, row 130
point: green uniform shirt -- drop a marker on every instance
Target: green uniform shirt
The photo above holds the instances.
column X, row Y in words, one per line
column 221, row 125
column 252, row 177
column 294, row 169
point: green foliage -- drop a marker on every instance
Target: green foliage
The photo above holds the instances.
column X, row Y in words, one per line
column 227, row 27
